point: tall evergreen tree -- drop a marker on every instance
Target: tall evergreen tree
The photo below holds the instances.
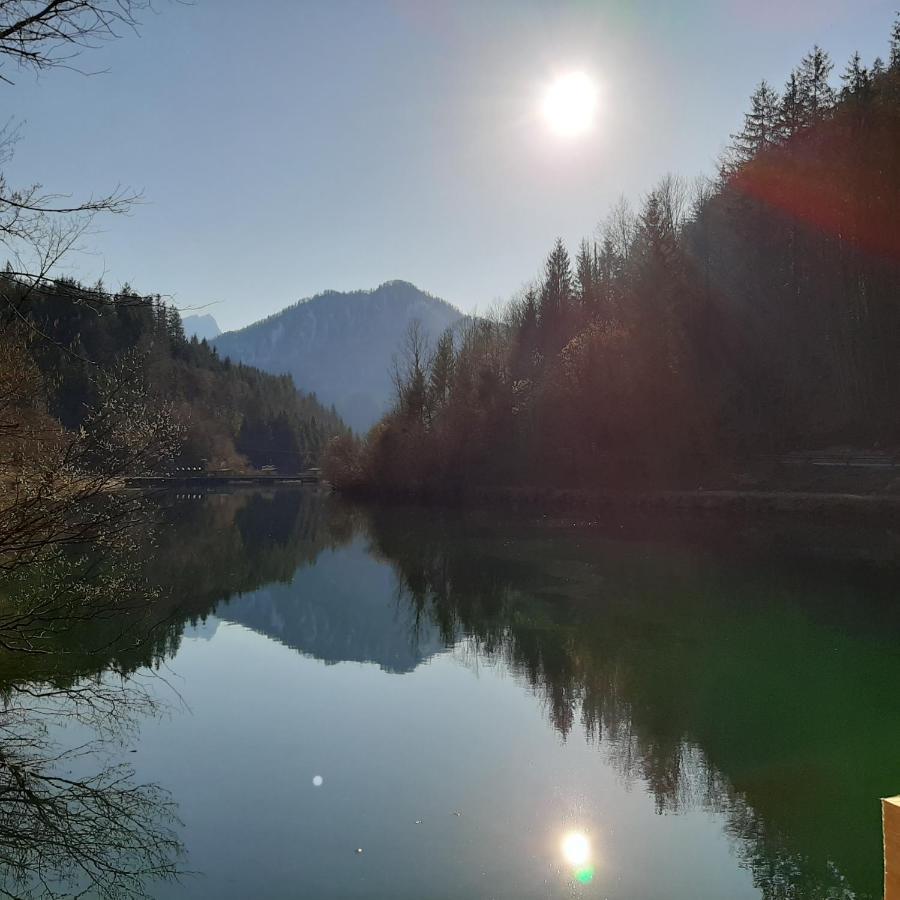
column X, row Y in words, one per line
column 556, row 292
column 530, row 311
column 856, row 79
column 174, row 327
column 585, row 271
column 816, row 94
column 441, row 375
column 894, row 57
column 790, row 112
column 760, row 129
column 528, row 327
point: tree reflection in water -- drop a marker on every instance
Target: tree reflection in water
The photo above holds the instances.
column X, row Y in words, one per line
column 724, row 677
column 69, row 824
column 73, row 819
column 741, row 669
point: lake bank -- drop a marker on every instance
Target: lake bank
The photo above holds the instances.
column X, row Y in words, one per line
column 836, row 483
column 596, row 502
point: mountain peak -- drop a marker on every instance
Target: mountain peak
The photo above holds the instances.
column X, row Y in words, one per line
column 339, row 344
column 201, row 327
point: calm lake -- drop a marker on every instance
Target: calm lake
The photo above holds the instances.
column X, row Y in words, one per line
column 389, row 703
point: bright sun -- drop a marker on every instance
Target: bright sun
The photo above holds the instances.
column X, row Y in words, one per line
column 576, row 848
column 569, row 104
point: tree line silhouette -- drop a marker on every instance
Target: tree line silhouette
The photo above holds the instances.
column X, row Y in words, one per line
column 732, row 317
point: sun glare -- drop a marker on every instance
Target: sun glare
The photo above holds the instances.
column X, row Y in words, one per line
column 569, row 104
column 576, row 848
column 576, row 851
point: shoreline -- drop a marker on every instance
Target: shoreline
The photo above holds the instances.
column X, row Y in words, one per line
column 590, row 502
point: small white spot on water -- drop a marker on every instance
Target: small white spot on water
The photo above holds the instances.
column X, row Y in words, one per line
column 318, row 781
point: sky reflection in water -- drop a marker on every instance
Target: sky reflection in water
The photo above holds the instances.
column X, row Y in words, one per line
column 624, row 716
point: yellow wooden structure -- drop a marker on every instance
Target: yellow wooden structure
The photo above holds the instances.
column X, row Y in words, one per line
column 890, row 812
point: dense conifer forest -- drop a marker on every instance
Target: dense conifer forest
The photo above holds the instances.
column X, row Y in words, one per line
column 230, row 416
column 725, row 319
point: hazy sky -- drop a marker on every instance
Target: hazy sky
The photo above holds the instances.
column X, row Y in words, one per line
column 284, row 147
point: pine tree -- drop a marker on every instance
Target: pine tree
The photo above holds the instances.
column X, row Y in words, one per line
column 556, row 292
column 607, row 269
column 790, row 113
column 658, row 238
column 528, row 322
column 816, row 94
column 894, row 57
column 530, row 310
column 174, row 326
column 857, row 82
column 160, row 321
column 760, row 129
column 441, row 376
column 585, row 269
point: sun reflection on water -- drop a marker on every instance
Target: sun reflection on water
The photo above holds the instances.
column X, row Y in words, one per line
column 576, row 850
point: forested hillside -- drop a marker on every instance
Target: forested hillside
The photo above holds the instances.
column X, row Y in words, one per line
column 231, row 416
column 340, row 345
column 747, row 314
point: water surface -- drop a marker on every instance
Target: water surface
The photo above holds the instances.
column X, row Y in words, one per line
column 713, row 705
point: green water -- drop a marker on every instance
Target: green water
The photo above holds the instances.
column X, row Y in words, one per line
column 714, row 706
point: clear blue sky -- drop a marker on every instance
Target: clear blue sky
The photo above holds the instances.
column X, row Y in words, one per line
column 284, row 146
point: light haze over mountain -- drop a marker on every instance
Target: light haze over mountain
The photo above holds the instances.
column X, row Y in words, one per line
column 340, row 345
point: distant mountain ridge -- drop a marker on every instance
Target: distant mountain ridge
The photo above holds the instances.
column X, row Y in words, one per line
column 339, row 345
column 201, row 327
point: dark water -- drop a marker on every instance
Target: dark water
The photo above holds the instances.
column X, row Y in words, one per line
column 713, row 708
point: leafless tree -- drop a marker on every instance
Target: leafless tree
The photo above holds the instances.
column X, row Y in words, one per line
column 39, row 228
column 62, row 833
column 47, row 34
column 673, row 195
column 52, row 482
column 701, row 190
column 60, row 489
column 73, row 821
column 410, row 369
column 67, row 532
column 621, row 227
